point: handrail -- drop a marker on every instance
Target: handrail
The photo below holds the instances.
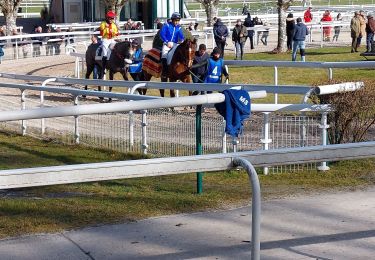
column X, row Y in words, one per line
column 41, row 176
column 62, row 111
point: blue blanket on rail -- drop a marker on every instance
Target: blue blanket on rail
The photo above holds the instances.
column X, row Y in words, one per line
column 235, row 109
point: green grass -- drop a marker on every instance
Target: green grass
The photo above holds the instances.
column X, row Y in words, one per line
column 55, row 208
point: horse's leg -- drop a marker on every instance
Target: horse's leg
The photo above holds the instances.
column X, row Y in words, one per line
column 163, row 79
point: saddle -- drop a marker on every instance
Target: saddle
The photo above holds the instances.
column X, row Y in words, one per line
column 152, row 61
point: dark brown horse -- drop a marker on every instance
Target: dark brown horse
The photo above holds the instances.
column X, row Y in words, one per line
column 179, row 69
column 118, row 61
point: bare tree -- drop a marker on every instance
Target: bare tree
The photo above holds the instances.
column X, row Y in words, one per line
column 10, row 9
column 115, row 5
column 210, row 6
column 282, row 6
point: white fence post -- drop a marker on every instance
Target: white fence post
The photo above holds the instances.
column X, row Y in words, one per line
column 76, row 123
column 276, row 82
column 330, row 74
column 23, row 107
column 324, row 126
column 144, row 131
column 224, row 138
column 266, row 133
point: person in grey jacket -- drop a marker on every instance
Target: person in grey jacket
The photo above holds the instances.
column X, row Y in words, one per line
column 239, row 36
column 299, row 36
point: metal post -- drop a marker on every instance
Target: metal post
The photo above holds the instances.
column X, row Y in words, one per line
column 235, row 144
column 255, row 206
column 276, row 82
column 266, row 132
column 330, row 74
column 131, row 114
column 42, row 121
column 144, row 131
column 23, row 107
column 76, row 125
column 198, row 144
column 324, row 126
column 224, row 138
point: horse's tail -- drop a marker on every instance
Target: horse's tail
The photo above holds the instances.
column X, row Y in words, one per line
column 152, row 64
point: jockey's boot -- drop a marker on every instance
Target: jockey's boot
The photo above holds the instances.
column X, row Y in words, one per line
column 164, row 71
column 104, row 64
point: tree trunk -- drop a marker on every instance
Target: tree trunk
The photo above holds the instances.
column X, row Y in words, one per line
column 211, row 11
column 281, row 37
column 10, row 21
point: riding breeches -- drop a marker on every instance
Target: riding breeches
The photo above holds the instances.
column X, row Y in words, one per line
column 105, row 46
column 165, row 50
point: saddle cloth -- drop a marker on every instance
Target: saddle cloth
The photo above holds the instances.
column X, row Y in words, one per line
column 152, row 64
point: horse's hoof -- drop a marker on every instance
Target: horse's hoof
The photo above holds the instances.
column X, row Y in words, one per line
column 109, row 100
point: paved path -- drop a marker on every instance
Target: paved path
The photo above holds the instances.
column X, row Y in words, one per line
column 324, row 226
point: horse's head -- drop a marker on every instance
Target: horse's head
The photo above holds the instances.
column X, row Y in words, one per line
column 189, row 46
column 124, row 51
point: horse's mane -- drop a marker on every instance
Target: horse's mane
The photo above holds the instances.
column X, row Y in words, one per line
column 179, row 55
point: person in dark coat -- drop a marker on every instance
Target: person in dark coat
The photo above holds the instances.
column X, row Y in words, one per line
column 249, row 23
column 220, row 34
column 290, row 24
column 201, row 58
column 299, row 36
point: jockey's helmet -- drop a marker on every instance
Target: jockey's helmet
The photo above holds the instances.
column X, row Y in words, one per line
column 176, row 16
column 111, row 14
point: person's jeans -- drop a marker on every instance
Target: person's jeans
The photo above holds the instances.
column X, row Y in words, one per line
column 251, row 38
column 369, row 41
column 298, row 45
column 239, row 49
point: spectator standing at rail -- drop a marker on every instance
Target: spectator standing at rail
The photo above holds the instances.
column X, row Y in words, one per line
column 158, row 23
column 128, row 25
column 108, row 31
column 265, row 34
column 220, row 34
column 300, row 32
column 355, row 31
column 49, row 44
column 370, row 30
column 337, row 28
column 258, row 21
column 239, row 36
column 37, row 40
column 200, row 65
column 327, row 18
column 290, row 24
column 250, row 32
column 58, row 41
column 171, row 33
column 362, row 21
column 307, row 16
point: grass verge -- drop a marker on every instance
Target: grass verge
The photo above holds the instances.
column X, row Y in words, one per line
column 55, row 208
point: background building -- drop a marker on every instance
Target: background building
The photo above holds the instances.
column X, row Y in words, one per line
column 71, row 11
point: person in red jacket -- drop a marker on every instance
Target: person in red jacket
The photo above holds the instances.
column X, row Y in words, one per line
column 307, row 16
column 327, row 29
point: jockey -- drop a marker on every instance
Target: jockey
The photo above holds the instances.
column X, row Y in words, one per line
column 108, row 31
column 171, row 34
